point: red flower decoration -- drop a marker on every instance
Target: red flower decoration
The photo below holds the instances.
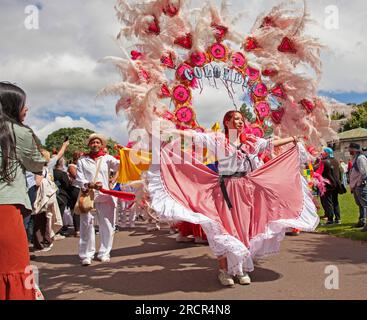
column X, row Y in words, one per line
column 165, row 91
column 135, row 55
column 154, row 27
column 184, row 41
column 219, row 31
column 170, row 10
column 145, row 74
column 238, row 59
column 218, row 51
column 251, row 44
column 167, row 60
column 277, row 115
column 181, row 94
column 270, row 72
column 278, row 91
column 184, row 114
column 267, row 22
column 287, row 46
column 198, row 58
column 308, row 105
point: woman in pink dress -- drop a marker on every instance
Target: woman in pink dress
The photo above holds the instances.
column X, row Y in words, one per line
column 244, row 209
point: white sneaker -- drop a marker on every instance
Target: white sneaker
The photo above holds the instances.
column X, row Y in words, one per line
column 46, row 249
column 86, row 262
column 225, row 279
column 59, row 237
column 104, row 259
column 243, row 279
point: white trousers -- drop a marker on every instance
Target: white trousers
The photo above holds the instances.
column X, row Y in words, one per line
column 87, row 243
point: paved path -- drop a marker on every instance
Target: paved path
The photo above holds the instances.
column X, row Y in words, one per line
column 153, row 266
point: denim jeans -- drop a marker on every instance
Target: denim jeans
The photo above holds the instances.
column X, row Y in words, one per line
column 360, row 196
column 28, row 220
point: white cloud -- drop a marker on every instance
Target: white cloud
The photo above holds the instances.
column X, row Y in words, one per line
column 61, row 122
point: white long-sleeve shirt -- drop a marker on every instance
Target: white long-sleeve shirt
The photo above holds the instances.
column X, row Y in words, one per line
column 235, row 160
column 86, row 171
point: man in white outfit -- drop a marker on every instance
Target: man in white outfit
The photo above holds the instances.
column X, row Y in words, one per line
column 104, row 204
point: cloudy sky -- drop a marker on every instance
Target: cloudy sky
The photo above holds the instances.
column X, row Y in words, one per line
column 59, row 64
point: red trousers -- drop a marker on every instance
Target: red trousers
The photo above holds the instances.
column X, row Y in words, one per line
column 190, row 229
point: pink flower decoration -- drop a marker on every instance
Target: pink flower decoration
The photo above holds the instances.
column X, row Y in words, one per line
column 238, row 59
column 180, row 75
column 184, row 114
column 218, row 51
column 261, row 90
column 263, row 109
column 252, row 73
column 258, row 132
column 181, row 94
column 198, row 58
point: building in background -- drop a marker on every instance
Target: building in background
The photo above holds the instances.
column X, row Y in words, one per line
column 358, row 135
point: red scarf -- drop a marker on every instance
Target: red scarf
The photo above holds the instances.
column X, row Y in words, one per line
column 95, row 155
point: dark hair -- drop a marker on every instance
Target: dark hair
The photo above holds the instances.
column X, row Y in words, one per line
column 12, row 100
column 355, row 146
column 227, row 117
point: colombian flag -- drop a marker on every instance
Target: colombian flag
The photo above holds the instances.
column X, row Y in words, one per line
column 132, row 164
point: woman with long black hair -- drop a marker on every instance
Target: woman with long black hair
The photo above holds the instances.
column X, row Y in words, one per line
column 19, row 152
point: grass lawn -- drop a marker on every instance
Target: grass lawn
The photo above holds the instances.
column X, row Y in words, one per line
column 349, row 217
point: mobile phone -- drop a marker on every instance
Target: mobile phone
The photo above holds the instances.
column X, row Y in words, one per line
column 66, row 139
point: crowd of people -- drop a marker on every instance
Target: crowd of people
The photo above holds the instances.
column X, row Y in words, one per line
column 241, row 205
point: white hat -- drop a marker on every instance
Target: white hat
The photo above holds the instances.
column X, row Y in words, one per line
column 97, row 136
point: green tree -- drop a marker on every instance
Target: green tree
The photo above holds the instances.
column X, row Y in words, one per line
column 77, row 138
column 358, row 117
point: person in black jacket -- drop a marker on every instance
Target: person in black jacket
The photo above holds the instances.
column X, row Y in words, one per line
column 329, row 200
column 63, row 183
